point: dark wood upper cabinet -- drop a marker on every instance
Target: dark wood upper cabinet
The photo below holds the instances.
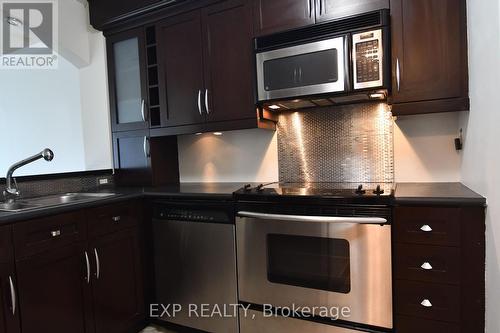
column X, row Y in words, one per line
column 181, row 69
column 279, row 15
column 429, row 56
column 334, row 9
column 54, row 291
column 105, row 12
column 228, row 55
column 117, row 282
column 207, row 69
column 126, row 54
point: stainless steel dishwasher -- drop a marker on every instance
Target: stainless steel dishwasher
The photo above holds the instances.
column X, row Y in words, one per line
column 195, row 264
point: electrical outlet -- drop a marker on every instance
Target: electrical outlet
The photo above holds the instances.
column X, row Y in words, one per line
column 103, row 181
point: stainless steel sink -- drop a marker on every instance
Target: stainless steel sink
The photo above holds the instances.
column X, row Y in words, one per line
column 15, row 206
column 51, row 200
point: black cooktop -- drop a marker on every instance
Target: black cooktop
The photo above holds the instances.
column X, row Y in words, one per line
column 366, row 193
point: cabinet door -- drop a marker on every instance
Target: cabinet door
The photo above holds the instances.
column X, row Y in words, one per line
column 117, row 282
column 280, row 15
column 54, row 291
column 132, row 157
column 335, row 9
column 181, row 67
column 127, row 80
column 9, row 310
column 429, row 49
column 229, row 64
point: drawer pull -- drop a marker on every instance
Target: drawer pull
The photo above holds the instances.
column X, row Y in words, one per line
column 426, row 228
column 116, row 218
column 55, row 233
column 426, row 303
column 427, row 266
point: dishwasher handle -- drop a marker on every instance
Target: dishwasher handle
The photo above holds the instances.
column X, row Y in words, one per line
column 320, row 219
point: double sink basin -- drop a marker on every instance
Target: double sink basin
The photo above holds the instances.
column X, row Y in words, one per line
column 50, row 200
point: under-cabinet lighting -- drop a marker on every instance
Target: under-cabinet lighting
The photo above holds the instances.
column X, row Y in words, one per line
column 274, row 107
column 199, row 133
column 218, row 133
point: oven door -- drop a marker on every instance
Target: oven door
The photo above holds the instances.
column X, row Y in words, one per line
column 307, row 69
column 315, row 261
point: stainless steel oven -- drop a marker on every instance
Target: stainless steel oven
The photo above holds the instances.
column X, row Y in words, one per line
column 314, row 261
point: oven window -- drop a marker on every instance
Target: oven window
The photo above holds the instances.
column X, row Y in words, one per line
column 309, row 262
column 301, row 70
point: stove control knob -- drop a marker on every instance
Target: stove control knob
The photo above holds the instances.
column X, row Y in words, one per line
column 360, row 190
column 247, row 188
column 260, row 188
column 378, row 190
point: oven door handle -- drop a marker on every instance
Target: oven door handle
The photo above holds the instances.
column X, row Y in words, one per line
column 321, row 219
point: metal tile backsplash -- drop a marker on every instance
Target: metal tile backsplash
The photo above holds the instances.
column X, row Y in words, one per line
column 35, row 188
column 352, row 143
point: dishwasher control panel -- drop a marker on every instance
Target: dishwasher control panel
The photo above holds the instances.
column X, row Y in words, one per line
column 182, row 213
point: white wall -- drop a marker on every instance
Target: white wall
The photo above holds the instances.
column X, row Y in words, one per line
column 424, row 151
column 237, row 156
column 39, row 109
column 481, row 160
column 64, row 109
column 95, row 106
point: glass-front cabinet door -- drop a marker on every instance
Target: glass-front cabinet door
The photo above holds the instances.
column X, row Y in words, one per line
column 127, row 80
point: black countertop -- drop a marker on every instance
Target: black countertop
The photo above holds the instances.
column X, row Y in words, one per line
column 437, row 194
column 206, row 191
column 406, row 193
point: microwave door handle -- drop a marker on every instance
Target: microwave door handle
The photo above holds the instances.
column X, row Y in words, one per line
column 320, row 219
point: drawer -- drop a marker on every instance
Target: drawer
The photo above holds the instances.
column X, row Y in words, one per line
column 427, row 225
column 427, row 300
column 42, row 234
column 406, row 324
column 110, row 218
column 428, row 263
column 5, row 245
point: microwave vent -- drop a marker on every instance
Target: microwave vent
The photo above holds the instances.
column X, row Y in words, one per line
column 321, row 31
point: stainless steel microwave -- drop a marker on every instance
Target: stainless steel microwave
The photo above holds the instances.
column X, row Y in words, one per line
column 341, row 64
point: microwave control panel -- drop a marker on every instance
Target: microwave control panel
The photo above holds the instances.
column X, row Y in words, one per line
column 368, row 59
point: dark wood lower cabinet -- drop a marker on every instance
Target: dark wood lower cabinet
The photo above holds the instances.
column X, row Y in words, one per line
column 89, row 285
column 117, row 283
column 9, row 312
column 54, row 293
column 439, row 269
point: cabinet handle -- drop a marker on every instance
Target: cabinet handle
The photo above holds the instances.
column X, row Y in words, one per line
column 427, row 266
column 426, row 228
column 199, row 102
column 426, row 303
column 146, row 147
column 143, row 111
column 97, row 264
column 12, row 296
column 116, row 218
column 55, row 233
column 87, row 262
column 206, row 101
column 398, row 74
